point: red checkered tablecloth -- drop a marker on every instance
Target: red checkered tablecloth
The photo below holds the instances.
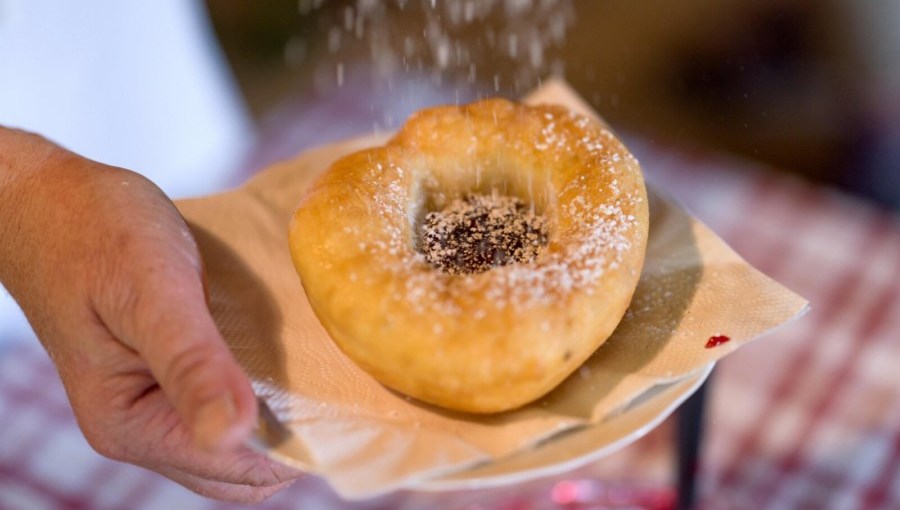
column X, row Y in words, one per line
column 808, row 417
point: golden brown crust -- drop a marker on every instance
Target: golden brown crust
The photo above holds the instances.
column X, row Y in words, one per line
column 490, row 341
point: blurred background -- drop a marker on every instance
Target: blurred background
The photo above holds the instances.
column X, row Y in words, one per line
column 811, row 87
column 198, row 95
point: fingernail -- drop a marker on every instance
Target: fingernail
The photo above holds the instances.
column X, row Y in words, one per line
column 213, row 423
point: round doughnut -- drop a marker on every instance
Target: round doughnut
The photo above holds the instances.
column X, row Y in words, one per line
column 480, row 256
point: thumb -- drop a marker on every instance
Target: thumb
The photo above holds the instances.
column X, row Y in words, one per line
column 173, row 332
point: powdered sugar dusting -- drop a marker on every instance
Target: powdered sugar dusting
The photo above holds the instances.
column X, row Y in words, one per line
column 458, row 41
column 585, row 239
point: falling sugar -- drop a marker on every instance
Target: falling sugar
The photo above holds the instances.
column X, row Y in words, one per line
column 445, row 42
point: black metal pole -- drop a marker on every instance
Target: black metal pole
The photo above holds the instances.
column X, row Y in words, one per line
column 690, row 434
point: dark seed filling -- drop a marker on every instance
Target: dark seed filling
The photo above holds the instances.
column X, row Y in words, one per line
column 477, row 232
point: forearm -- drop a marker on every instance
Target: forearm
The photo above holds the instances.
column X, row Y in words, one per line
column 21, row 156
column 26, row 165
column 45, row 197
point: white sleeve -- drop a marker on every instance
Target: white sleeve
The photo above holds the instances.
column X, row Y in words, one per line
column 140, row 85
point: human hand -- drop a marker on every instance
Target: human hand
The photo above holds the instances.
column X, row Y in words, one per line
column 111, row 280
